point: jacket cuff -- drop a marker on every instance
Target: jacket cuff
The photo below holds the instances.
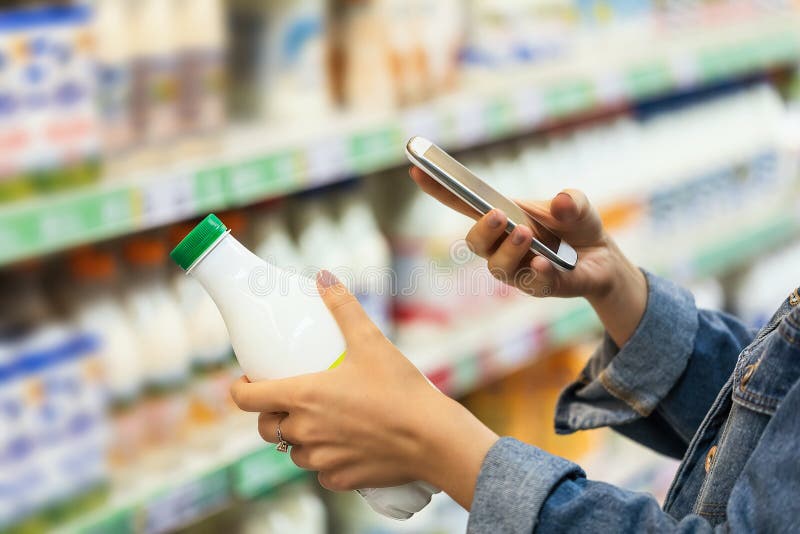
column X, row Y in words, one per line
column 513, row 484
column 617, row 385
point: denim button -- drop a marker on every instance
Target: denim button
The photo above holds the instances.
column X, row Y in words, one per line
column 794, row 298
column 748, row 373
column 712, row 452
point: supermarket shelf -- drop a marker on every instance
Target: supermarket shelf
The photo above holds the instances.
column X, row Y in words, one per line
column 245, row 468
column 505, row 343
column 257, row 164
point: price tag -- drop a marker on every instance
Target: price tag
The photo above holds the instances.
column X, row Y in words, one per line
column 116, row 211
column 209, row 188
column 249, row 181
column 470, row 122
column 610, row 88
column 168, row 199
column 183, row 504
column 423, row 121
column 60, row 226
column 685, row 71
column 327, row 159
column 528, row 106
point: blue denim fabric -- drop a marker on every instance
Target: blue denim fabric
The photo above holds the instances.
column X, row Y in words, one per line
column 693, row 384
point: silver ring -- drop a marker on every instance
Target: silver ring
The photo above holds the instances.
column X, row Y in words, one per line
column 283, row 445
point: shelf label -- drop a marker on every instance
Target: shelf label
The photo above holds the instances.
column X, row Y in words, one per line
column 284, row 172
column 499, row 117
column 168, row 199
column 569, row 98
column 470, row 122
column 648, row 80
column 209, row 188
column 528, row 106
column 179, row 506
column 610, row 88
column 372, row 150
column 423, row 121
column 326, row 159
column 248, row 181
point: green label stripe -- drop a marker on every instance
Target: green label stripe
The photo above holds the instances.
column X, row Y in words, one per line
column 371, row 150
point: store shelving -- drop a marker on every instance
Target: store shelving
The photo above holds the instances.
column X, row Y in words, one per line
column 244, row 467
column 254, row 164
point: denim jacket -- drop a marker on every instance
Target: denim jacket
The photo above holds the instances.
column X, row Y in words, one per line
column 692, row 384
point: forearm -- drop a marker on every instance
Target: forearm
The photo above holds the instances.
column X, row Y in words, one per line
column 453, row 445
column 621, row 305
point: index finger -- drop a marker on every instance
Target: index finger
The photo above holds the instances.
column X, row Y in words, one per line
column 440, row 193
column 266, row 395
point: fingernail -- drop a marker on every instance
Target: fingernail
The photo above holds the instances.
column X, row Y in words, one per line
column 516, row 236
column 326, row 279
column 565, row 195
column 496, row 218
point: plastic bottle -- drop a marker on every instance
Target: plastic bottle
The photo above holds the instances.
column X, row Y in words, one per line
column 292, row 323
column 99, row 311
column 164, row 343
column 370, row 261
column 155, row 72
column 200, row 40
column 114, row 64
column 275, row 245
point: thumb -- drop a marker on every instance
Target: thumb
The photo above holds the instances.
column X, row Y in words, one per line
column 348, row 313
column 570, row 206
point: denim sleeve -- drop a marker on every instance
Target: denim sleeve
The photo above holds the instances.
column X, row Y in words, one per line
column 764, row 498
column 659, row 385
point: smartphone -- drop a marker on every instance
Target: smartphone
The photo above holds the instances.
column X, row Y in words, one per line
column 483, row 198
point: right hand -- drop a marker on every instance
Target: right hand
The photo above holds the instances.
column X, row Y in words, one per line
column 569, row 215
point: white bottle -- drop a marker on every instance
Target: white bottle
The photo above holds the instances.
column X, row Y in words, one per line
column 370, row 261
column 279, row 327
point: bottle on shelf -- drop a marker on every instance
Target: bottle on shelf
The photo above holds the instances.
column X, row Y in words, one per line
column 164, row 345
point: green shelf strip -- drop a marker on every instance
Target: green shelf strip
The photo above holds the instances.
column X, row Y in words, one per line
column 178, row 505
column 95, row 212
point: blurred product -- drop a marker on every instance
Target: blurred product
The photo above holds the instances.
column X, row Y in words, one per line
column 164, row 343
column 279, row 58
column 274, row 242
column 95, row 303
column 296, row 509
column 765, row 285
column 48, row 121
column 210, row 352
column 53, row 447
column 114, row 58
column 370, row 260
column 291, row 319
column 317, row 235
column 201, row 42
column 155, row 73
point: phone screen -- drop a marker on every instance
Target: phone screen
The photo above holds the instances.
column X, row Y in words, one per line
column 484, row 197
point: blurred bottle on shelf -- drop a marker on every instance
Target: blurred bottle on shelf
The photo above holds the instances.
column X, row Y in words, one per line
column 155, row 52
column 201, row 42
column 279, row 59
column 49, row 127
column 274, row 242
column 94, row 300
column 210, row 351
column 53, row 459
column 114, row 58
column 370, row 259
column 164, row 343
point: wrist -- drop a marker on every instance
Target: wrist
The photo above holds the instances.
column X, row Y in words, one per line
column 453, row 444
column 621, row 303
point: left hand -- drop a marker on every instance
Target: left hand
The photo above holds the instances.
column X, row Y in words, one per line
column 373, row 421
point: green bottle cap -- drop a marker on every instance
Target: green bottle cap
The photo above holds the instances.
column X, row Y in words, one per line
column 198, row 241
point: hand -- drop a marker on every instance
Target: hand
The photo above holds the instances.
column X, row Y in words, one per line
column 603, row 275
column 373, row 421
